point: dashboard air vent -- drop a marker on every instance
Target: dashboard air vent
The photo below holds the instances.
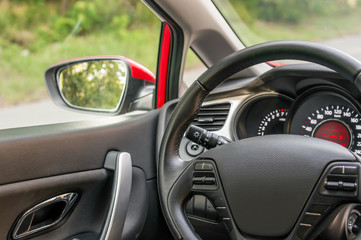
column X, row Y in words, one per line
column 212, row 117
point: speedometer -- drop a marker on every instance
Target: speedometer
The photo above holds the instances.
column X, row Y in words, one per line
column 330, row 116
column 333, row 123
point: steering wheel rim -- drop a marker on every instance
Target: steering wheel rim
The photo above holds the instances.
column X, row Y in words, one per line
column 171, row 167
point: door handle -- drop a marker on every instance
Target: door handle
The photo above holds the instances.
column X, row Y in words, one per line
column 121, row 164
column 44, row 215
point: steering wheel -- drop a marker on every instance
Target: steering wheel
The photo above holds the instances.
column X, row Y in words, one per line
column 262, row 187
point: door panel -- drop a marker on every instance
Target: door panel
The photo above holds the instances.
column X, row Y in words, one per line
column 89, row 209
column 42, row 151
column 40, row 162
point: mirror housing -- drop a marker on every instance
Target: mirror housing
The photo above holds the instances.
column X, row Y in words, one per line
column 101, row 84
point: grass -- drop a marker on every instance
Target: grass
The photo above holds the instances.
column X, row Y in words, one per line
column 22, row 72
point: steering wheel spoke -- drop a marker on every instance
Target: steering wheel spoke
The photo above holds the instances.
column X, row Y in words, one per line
column 206, row 182
column 336, row 190
column 201, row 178
column 327, row 201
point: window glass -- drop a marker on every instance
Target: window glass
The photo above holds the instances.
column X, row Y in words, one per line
column 37, row 33
column 332, row 22
column 194, row 67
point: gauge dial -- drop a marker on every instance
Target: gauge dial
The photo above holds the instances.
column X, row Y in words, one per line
column 273, row 122
column 330, row 116
column 332, row 123
column 334, row 131
column 262, row 115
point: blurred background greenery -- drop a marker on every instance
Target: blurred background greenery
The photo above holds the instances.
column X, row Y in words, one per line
column 37, row 33
column 94, row 84
column 311, row 20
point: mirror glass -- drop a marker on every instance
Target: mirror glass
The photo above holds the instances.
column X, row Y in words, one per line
column 97, row 85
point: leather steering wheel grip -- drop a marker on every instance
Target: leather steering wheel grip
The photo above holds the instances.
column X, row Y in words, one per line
column 332, row 58
column 171, row 166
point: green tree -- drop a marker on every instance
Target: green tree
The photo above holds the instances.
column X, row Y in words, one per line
column 94, row 84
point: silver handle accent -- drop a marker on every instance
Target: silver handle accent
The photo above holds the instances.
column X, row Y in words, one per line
column 24, row 226
column 121, row 164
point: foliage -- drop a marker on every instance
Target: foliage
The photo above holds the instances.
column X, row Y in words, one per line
column 256, row 21
column 36, row 23
column 290, row 11
column 21, row 75
column 37, row 33
column 94, row 84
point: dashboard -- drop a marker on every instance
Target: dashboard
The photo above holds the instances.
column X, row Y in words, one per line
column 324, row 112
column 304, row 100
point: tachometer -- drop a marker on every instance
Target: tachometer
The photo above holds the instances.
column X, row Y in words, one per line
column 329, row 116
column 261, row 115
column 273, row 122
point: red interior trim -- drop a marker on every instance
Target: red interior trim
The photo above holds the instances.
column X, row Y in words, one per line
column 276, row 64
column 163, row 66
column 139, row 71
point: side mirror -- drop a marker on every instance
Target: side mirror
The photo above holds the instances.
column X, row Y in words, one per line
column 107, row 84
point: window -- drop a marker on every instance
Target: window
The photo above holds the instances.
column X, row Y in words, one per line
column 330, row 22
column 36, row 34
column 194, row 67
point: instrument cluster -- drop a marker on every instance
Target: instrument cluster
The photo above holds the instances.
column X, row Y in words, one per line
column 326, row 113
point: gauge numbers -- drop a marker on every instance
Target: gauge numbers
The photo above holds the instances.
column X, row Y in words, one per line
column 273, row 122
column 262, row 115
column 335, row 123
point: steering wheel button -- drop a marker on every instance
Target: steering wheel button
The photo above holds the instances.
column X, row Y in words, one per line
column 348, row 186
column 351, row 170
column 194, row 149
column 210, row 180
column 198, row 167
column 198, row 180
column 208, row 167
column 330, row 185
column 337, row 170
column 203, row 167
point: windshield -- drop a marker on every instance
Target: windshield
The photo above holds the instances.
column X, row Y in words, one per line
column 332, row 22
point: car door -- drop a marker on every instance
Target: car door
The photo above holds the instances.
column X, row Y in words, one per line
column 90, row 179
column 39, row 165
